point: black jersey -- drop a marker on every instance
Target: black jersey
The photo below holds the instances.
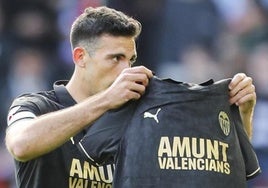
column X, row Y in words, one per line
column 64, row 167
column 177, row 135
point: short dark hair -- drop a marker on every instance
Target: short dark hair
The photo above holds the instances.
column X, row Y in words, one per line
column 94, row 22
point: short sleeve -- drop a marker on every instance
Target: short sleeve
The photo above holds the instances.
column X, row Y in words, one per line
column 250, row 158
column 101, row 141
column 23, row 107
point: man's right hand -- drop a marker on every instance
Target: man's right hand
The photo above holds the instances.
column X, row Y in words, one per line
column 129, row 85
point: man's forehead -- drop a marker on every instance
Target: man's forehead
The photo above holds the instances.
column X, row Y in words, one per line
column 117, row 45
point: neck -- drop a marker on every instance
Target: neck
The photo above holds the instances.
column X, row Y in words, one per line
column 76, row 89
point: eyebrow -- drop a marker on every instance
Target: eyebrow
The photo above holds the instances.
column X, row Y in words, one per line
column 133, row 58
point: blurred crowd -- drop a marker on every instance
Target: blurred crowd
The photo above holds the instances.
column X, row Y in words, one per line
column 187, row 40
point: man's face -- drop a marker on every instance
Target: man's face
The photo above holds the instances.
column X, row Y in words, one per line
column 111, row 56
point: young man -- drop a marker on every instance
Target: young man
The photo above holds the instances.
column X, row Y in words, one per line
column 43, row 128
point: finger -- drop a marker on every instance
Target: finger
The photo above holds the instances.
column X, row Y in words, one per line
column 131, row 86
column 247, row 99
column 139, row 69
column 138, row 78
column 240, row 85
column 132, row 95
column 133, row 91
column 242, row 95
column 236, row 80
column 248, row 104
column 138, row 88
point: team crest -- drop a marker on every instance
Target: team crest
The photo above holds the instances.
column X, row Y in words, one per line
column 224, row 122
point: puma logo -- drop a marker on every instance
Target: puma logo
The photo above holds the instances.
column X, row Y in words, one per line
column 150, row 115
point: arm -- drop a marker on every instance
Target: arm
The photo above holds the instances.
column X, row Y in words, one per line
column 28, row 139
column 242, row 93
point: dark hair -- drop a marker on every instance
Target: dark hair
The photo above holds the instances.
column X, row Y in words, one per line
column 94, row 22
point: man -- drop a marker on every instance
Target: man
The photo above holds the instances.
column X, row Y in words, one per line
column 43, row 128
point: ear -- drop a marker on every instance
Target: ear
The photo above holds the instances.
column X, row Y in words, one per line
column 79, row 56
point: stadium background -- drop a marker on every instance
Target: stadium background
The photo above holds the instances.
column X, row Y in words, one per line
column 188, row 40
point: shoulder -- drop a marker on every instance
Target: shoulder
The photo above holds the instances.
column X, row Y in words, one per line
column 28, row 106
column 38, row 103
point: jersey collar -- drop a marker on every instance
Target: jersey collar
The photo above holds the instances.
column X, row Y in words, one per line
column 62, row 94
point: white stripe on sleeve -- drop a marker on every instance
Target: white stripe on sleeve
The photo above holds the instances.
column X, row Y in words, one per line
column 18, row 116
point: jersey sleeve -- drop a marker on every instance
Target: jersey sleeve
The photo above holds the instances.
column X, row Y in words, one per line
column 102, row 139
column 22, row 108
column 250, row 158
column 28, row 106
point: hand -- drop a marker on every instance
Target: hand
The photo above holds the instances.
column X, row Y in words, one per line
column 129, row 85
column 242, row 92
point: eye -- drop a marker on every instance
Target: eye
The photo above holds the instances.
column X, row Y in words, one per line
column 133, row 60
column 117, row 58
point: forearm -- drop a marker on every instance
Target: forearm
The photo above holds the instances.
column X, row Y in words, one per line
column 32, row 138
column 247, row 120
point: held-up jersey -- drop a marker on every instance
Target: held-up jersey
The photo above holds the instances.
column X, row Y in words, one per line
column 177, row 135
column 64, row 167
